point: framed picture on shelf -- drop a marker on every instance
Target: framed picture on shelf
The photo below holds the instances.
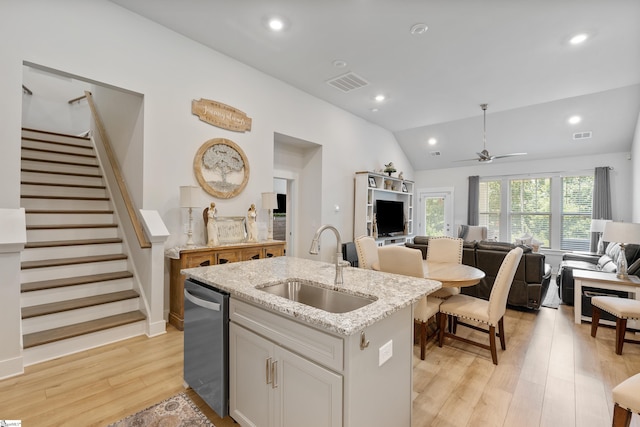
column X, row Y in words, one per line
column 404, row 187
column 372, row 182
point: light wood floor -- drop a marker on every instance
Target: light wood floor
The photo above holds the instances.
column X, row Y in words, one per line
column 552, row 374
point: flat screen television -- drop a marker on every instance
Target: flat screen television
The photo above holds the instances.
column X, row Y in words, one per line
column 389, row 217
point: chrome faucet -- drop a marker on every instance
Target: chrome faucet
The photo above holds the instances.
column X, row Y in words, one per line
column 315, row 249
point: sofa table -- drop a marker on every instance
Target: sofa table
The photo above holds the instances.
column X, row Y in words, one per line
column 600, row 280
column 201, row 256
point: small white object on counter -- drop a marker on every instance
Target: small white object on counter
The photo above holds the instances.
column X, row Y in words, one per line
column 392, row 292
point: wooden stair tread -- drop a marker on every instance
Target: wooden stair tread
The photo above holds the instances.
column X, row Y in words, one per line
column 74, row 304
column 55, row 184
column 66, row 153
column 56, row 243
column 87, row 175
column 66, row 144
column 25, row 265
column 66, row 211
column 65, row 332
column 37, row 196
column 68, row 226
column 46, row 132
column 73, row 281
column 58, row 162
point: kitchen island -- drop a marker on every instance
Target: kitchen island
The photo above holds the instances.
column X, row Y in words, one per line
column 293, row 364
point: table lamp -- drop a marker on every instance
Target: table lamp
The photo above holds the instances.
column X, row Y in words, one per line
column 269, row 202
column 597, row 226
column 623, row 233
column 189, row 199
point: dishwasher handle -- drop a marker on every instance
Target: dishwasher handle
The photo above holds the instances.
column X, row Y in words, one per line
column 202, row 303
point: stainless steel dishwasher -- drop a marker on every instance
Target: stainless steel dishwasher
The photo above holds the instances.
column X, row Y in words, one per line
column 206, row 343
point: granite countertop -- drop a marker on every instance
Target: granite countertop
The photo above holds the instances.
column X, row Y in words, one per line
column 392, row 292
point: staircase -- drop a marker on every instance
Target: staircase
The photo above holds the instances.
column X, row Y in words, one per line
column 77, row 289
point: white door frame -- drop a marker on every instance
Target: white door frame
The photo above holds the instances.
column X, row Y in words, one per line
column 292, row 197
column 447, row 193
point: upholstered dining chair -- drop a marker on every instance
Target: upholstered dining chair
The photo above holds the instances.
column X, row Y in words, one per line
column 445, row 249
column 408, row 261
column 490, row 313
column 626, row 398
column 367, row 250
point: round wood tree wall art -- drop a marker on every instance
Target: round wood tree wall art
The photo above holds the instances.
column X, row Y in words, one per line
column 221, row 168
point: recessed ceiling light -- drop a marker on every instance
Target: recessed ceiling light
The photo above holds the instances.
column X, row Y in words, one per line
column 339, row 63
column 418, row 29
column 380, row 98
column 276, row 23
column 432, row 141
column 578, row 38
column 575, row 119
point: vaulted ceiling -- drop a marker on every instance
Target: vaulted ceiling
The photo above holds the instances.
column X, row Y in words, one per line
column 514, row 55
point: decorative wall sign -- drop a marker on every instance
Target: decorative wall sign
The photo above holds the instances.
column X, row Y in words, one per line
column 231, row 229
column 221, row 168
column 221, row 115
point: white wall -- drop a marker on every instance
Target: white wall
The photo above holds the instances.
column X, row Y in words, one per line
column 621, row 185
column 170, row 71
column 100, row 42
column 635, row 180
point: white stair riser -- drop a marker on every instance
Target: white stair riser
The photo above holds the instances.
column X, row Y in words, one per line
column 75, row 270
column 57, row 138
column 58, row 252
column 76, row 149
column 59, row 179
column 68, row 218
column 64, row 204
column 66, row 318
column 55, row 167
column 56, row 157
column 71, row 234
column 57, row 191
column 46, row 296
column 57, row 349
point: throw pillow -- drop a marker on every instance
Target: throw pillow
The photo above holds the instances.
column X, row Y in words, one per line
column 634, row 268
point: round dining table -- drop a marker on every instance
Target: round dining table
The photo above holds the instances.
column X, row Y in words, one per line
column 452, row 274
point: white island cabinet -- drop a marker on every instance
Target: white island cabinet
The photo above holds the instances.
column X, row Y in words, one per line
column 295, row 365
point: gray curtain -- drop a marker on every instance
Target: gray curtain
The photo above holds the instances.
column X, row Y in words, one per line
column 473, row 215
column 601, row 208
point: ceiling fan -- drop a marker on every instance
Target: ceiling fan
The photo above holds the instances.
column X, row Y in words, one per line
column 484, row 156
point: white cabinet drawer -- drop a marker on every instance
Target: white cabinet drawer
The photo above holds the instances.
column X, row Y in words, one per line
column 308, row 342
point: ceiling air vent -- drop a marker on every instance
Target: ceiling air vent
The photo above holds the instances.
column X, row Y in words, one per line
column 348, row 82
column 434, row 153
column 582, row 135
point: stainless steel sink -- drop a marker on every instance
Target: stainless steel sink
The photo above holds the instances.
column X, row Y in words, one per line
column 313, row 294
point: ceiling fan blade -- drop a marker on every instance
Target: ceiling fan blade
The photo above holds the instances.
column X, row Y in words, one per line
column 466, row 160
column 509, row 155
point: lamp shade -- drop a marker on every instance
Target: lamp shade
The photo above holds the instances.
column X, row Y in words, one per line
column 189, row 196
column 597, row 225
column 269, row 201
column 621, row 232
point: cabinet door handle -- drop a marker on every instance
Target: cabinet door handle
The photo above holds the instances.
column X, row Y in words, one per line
column 274, row 374
column 268, row 370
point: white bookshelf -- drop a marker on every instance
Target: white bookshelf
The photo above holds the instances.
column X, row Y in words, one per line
column 386, row 188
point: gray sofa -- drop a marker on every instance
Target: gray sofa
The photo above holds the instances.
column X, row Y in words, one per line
column 529, row 285
column 593, row 262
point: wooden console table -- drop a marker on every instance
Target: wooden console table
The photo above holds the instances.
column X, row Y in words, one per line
column 202, row 256
column 600, row 280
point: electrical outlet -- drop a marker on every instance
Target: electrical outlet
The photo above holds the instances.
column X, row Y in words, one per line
column 385, row 352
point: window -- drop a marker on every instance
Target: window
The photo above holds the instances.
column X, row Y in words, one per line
column 530, row 209
column 489, row 208
column 554, row 209
column 577, row 194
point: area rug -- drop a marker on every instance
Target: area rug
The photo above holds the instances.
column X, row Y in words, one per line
column 552, row 299
column 177, row 411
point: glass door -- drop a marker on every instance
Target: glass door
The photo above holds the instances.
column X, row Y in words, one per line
column 435, row 216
